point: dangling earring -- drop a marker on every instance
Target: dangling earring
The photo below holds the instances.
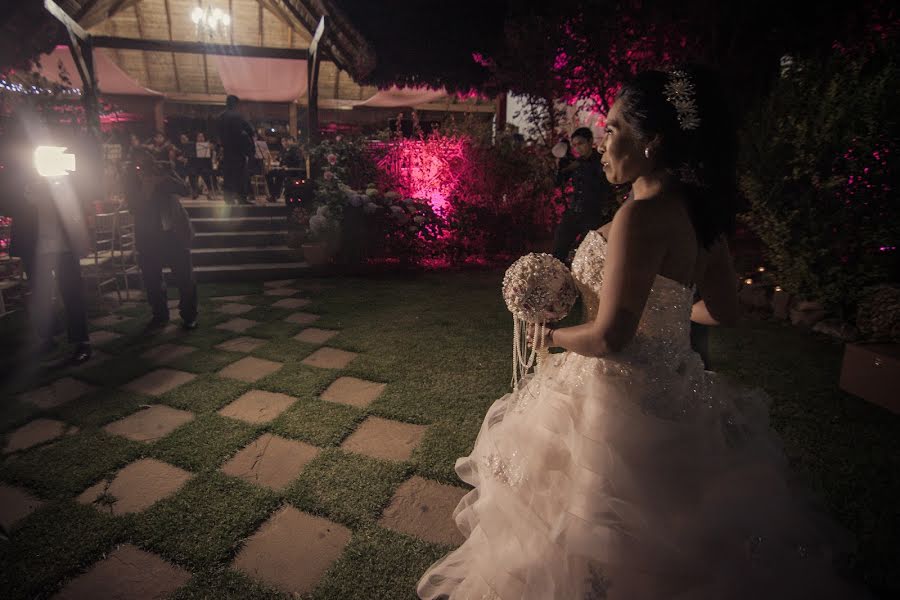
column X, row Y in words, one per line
column 647, row 152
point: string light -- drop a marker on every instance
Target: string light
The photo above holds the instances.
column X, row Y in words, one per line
column 748, row 281
column 34, row 90
column 761, row 269
column 778, row 288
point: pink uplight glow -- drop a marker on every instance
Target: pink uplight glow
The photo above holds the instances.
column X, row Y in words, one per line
column 426, row 168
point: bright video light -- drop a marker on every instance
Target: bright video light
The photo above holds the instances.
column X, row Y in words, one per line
column 52, row 161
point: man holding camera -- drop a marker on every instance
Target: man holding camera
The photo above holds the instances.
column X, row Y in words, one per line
column 163, row 235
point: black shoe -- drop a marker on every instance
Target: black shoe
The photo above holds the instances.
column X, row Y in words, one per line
column 189, row 325
column 155, row 325
column 83, row 352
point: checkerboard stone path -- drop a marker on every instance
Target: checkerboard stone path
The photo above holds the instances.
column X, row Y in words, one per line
column 290, row 550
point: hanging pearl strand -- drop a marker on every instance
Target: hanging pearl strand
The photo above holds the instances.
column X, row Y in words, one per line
column 524, row 358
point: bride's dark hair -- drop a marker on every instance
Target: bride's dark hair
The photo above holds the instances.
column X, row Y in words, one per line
column 703, row 159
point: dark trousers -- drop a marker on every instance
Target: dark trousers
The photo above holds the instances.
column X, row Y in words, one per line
column 202, row 170
column 237, row 182
column 40, row 271
column 572, row 226
column 167, row 251
column 275, row 180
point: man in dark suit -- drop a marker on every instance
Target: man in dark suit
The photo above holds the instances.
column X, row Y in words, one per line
column 49, row 234
column 236, row 136
column 592, row 199
column 163, row 236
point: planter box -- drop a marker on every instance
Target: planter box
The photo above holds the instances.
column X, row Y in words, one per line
column 872, row 372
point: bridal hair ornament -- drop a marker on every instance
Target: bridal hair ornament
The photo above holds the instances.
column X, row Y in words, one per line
column 538, row 289
column 680, row 93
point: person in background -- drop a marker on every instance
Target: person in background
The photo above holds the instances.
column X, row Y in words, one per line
column 591, row 201
column 203, row 165
column 163, row 235
column 185, row 161
column 161, row 148
column 236, row 137
column 291, row 158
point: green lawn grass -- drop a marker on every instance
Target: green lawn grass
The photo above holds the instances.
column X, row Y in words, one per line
column 441, row 344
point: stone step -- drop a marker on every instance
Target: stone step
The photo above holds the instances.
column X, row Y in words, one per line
column 242, row 255
column 202, row 209
column 216, row 224
column 241, row 272
column 232, row 239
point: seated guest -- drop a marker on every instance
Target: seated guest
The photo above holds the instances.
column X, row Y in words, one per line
column 185, row 155
column 291, row 158
column 203, row 163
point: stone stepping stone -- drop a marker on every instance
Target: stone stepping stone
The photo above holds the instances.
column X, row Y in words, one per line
column 280, row 283
column 174, row 314
column 313, row 335
column 291, row 538
column 257, row 406
column 57, row 393
column 151, row 423
column 250, row 369
column 101, row 336
column 424, row 509
column 233, row 308
column 39, row 431
column 128, row 572
column 292, row 303
column 382, row 438
column 166, row 353
column 229, row 298
column 173, row 303
column 271, row 461
column 238, row 325
column 280, row 292
column 109, row 320
column 241, row 344
column 135, row 488
column 302, row 318
column 157, row 383
column 15, row 505
column 353, row 392
column 329, row 358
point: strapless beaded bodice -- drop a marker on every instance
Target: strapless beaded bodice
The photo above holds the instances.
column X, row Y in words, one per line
column 664, row 329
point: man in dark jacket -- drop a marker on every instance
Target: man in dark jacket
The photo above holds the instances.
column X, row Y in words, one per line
column 592, row 198
column 163, row 236
column 49, row 234
column 236, row 136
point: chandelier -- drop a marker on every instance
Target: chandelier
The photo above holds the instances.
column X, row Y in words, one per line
column 210, row 21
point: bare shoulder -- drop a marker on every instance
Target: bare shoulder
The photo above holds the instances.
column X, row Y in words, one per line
column 643, row 217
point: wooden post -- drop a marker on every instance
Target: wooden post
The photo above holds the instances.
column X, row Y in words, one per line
column 312, row 89
column 159, row 115
column 292, row 119
column 500, row 113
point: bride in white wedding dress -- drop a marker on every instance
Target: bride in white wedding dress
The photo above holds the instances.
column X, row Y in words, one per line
column 623, row 470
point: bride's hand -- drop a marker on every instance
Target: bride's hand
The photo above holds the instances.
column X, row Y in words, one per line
column 529, row 335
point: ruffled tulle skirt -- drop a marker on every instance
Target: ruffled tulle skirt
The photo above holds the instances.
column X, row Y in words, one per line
column 609, row 479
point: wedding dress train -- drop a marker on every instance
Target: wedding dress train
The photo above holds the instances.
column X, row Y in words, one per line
column 635, row 477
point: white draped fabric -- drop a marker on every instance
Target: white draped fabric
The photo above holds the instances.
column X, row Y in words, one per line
column 111, row 79
column 262, row 79
column 406, row 96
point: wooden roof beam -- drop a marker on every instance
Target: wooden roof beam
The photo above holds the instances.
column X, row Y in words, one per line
column 104, row 41
column 171, row 37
